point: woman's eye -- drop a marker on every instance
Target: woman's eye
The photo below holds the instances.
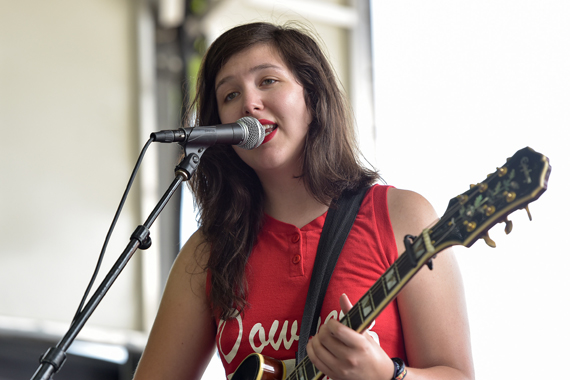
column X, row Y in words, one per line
column 230, row 96
column 268, row 81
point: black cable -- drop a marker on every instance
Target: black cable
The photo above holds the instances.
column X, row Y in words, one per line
column 112, row 227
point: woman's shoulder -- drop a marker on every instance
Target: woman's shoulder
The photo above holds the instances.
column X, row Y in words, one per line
column 195, row 252
column 398, row 201
column 410, row 213
column 406, row 201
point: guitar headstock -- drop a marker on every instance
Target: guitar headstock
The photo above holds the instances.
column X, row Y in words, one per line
column 469, row 216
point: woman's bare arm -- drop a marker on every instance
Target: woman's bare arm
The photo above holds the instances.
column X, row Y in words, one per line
column 182, row 339
column 432, row 305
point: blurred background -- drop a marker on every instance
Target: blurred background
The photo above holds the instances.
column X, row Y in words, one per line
column 443, row 92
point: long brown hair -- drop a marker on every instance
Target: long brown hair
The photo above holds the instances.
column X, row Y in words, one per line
column 228, row 192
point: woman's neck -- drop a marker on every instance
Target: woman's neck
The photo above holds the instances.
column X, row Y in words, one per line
column 289, row 201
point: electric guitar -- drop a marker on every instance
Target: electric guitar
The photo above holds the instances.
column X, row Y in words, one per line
column 468, row 217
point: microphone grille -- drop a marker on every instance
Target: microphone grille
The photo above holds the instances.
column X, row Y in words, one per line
column 254, row 132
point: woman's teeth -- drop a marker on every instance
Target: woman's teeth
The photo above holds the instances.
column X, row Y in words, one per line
column 269, row 128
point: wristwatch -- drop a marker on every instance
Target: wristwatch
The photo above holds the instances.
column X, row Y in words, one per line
column 399, row 369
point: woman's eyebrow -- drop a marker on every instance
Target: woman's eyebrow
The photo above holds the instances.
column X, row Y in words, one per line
column 252, row 70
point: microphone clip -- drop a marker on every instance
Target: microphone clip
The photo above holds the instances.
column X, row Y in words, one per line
column 189, row 163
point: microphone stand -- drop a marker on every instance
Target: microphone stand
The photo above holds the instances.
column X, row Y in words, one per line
column 54, row 357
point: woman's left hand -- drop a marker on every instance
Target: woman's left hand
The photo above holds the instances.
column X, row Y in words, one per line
column 343, row 354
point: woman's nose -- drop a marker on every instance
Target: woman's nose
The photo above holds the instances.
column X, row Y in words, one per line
column 252, row 102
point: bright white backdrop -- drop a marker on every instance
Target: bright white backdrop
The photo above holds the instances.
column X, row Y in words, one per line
column 459, row 87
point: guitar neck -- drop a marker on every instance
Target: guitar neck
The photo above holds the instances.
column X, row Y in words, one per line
column 389, row 285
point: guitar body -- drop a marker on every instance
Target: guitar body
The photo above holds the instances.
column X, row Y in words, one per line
column 259, row 367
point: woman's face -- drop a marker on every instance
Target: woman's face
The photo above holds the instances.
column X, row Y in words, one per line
column 256, row 82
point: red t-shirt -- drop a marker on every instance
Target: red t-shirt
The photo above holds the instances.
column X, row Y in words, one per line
column 278, row 276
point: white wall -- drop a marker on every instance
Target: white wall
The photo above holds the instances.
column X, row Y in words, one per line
column 69, row 142
column 460, row 86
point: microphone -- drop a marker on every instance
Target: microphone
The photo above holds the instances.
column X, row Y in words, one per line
column 247, row 133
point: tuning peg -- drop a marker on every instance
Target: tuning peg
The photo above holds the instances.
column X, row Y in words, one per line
column 489, row 210
column 488, row 240
column 508, row 226
column 528, row 213
column 462, row 198
column 509, row 196
column 469, row 226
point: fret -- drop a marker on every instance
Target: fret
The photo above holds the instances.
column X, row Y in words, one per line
column 300, row 373
column 347, row 321
column 405, row 264
column 293, row 375
column 378, row 293
column 354, row 318
column 383, row 281
column 359, row 308
column 418, row 248
column 310, row 370
column 367, row 305
column 392, row 278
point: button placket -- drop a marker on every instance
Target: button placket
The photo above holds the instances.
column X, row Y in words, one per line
column 296, row 257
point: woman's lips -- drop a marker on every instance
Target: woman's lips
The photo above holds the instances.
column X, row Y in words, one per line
column 270, row 129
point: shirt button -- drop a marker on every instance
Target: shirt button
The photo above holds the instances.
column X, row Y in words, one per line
column 295, row 238
column 296, row 259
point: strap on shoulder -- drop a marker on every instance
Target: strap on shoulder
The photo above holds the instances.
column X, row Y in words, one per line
column 338, row 223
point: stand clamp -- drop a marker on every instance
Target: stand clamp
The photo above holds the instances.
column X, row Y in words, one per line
column 142, row 234
column 55, row 357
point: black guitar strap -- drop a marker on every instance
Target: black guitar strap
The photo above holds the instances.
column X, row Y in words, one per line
column 339, row 221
